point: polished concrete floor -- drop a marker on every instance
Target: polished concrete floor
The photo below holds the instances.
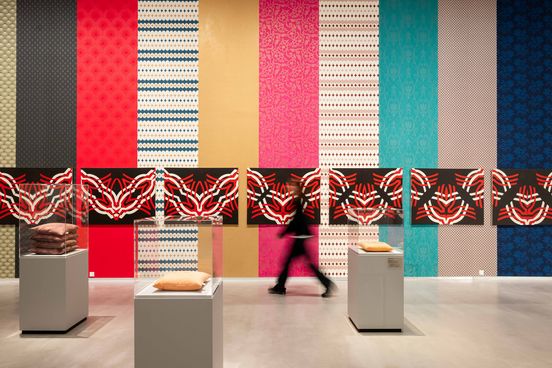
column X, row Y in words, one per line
column 484, row 322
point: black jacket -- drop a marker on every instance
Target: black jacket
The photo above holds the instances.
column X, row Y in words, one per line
column 298, row 226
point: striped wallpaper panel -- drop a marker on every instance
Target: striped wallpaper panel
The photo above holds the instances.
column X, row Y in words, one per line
column 348, row 108
column 168, row 81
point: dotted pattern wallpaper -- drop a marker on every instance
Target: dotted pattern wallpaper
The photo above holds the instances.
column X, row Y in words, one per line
column 467, row 124
column 7, row 121
column 46, row 83
column 524, row 122
column 348, row 109
column 160, row 252
column 8, row 81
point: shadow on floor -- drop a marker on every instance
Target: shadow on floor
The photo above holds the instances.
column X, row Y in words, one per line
column 408, row 330
column 83, row 330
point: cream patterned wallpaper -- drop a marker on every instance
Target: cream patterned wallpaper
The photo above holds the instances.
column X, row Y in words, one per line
column 7, row 121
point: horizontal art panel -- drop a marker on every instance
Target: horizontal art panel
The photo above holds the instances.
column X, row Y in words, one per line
column 447, row 196
column 119, row 196
column 269, row 202
column 32, row 212
column 201, row 192
column 376, row 192
column 522, row 197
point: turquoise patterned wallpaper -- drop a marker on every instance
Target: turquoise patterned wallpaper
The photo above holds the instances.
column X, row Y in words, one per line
column 408, row 110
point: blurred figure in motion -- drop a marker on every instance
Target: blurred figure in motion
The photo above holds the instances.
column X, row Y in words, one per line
column 299, row 230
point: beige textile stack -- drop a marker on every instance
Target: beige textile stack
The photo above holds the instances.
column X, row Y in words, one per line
column 54, row 238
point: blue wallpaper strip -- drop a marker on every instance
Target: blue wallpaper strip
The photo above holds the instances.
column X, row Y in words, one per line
column 524, row 122
column 408, row 110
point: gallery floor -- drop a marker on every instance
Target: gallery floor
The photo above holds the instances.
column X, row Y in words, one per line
column 450, row 323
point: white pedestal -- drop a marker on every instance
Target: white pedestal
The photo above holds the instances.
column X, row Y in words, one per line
column 376, row 290
column 53, row 291
column 178, row 329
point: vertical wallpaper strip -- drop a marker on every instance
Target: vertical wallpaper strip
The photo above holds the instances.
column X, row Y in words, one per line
column 288, row 105
column 467, row 124
column 229, row 111
column 7, row 121
column 106, row 115
column 167, row 83
column 348, row 107
column 168, row 56
column 524, row 122
column 408, row 110
column 46, row 83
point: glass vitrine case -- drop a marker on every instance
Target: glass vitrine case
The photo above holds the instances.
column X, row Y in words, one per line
column 375, row 282
column 53, row 219
column 166, row 246
column 376, row 226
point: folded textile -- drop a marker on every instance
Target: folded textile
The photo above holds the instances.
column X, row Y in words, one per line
column 46, row 251
column 53, row 245
column 54, row 238
column 55, row 228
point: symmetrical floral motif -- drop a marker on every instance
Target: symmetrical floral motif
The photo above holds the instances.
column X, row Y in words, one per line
column 522, row 197
column 269, row 202
column 447, row 196
column 119, row 195
column 37, row 203
column 202, row 192
column 376, row 192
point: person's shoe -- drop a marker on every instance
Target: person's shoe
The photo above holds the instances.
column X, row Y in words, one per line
column 277, row 290
column 330, row 290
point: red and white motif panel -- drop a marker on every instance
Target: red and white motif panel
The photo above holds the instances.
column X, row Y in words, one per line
column 447, row 196
column 119, row 196
column 348, row 108
column 202, row 192
column 28, row 203
column 522, row 197
column 270, row 202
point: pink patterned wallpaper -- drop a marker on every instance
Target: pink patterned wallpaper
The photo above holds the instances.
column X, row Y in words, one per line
column 288, row 106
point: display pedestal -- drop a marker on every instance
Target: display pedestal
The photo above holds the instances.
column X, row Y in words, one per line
column 376, row 290
column 53, row 291
column 178, row 329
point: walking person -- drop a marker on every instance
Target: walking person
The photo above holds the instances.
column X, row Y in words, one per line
column 299, row 230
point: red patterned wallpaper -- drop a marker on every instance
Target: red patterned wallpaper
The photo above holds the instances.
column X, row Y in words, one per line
column 107, row 37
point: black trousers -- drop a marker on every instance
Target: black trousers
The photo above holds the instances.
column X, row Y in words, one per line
column 298, row 250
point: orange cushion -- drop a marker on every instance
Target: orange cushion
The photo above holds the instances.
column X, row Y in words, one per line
column 182, row 281
column 375, row 246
